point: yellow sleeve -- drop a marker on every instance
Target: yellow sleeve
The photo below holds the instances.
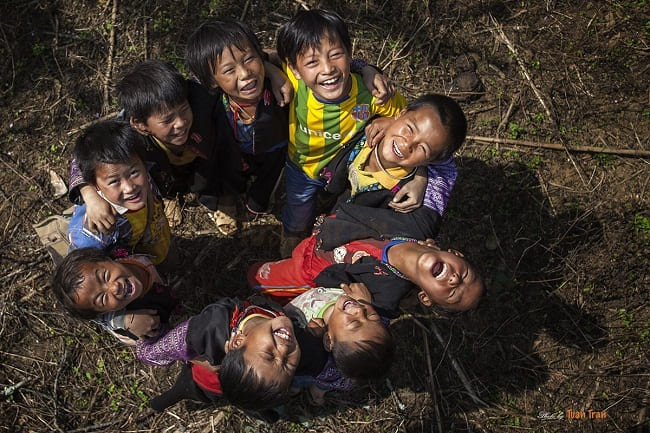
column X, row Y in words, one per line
column 287, row 70
column 391, row 108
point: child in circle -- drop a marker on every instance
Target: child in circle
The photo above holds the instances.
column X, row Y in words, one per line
column 352, row 331
column 238, row 350
column 227, row 56
column 391, row 269
column 329, row 106
column 176, row 117
column 109, row 158
column 125, row 295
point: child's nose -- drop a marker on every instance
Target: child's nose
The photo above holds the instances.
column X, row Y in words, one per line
column 328, row 67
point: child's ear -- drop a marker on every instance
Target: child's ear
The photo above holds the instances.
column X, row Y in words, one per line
column 235, row 342
column 327, row 341
column 294, row 71
column 139, row 126
column 424, row 299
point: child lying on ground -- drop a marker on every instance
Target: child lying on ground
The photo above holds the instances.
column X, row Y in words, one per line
column 109, row 157
column 124, row 295
column 359, row 341
column 391, row 269
column 425, row 134
column 238, row 350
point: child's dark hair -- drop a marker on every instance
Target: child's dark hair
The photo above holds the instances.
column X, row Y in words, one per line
column 244, row 388
column 68, row 278
column 151, row 87
column 364, row 360
column 307, row 29
column 109, row 142
column 206, row 45
column 451, row 116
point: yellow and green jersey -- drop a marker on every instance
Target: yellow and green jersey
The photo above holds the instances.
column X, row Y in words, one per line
column 317, row 130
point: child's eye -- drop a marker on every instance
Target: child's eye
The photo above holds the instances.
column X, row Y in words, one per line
column 249, row 59
column 135, row 173
column 113, row 182
column 227, row 71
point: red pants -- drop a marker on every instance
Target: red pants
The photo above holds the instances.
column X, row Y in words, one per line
column 285, row 279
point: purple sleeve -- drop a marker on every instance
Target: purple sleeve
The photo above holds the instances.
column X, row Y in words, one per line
column 441, row 178
column 331, row 379
column 167, row 349
column 76, row 182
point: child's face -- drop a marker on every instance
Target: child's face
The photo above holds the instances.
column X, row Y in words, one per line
column 271, row 350
column 240, row 74
column 107, row 286
column 351, row 321
column 171, row 126
column 414, row 138
column 445, row 277
column 125, row 184
column 325, row 70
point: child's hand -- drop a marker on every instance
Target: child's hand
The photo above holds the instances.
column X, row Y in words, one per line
column 375, row 131
column 316, row 327
column 431, row 243
column 143, row 323
column 280, row 84
column 378, row 84
column 410, row 196
column 357, row 291
column 100, row 215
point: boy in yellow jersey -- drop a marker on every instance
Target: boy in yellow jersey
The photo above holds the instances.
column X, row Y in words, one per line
column 330, row 104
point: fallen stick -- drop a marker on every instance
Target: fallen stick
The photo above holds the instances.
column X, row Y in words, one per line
column 521, row 64
column 559, row 146
column 92, row 122
column 111, row 50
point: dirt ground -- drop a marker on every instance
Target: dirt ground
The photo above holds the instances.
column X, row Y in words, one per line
column 562, row 236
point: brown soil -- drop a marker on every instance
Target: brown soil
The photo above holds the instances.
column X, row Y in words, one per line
column 562, row 237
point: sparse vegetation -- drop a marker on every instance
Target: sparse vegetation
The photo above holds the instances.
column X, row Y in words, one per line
column 562, row 239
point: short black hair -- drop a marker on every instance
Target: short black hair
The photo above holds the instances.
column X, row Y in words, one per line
column 68, row 277
column 206, row 44
column 307, row 29
column 244, row 388
column 366, row 359
column 451, row 117
column 151, row 87
column 109, row 142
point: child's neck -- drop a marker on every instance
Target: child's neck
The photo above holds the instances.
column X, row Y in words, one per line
column 401, row 257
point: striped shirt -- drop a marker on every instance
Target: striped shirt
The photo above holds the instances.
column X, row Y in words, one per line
column 317, row 130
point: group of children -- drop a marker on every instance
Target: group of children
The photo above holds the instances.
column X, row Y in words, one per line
column 348, row 145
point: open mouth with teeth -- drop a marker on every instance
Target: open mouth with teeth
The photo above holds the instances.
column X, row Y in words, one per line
column 134, row 198
column 284, row 334
column 439, row 270
column 331, row 84
column 396, row 150
column 127, row 289
column 249, row 87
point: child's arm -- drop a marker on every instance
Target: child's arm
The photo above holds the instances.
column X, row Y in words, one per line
column 410, row 196
column 100, row 215
column 280, row 84
column 167, row 349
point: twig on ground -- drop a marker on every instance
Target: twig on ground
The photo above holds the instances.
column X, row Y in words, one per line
column 243, row 13
column 524, row 71
column 111, row 51
column 92, row 122
column 559, row 146
column 505, row 119
column 432, row 381
column 396, row 56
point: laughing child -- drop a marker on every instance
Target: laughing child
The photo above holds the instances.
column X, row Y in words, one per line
column 109, row 157
column 391, row 269
column 233, row 349
column 360, row 343
column 426, row 133
column 124, row 295
column 227, row 56
column 176, row 118
column 330, row 104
